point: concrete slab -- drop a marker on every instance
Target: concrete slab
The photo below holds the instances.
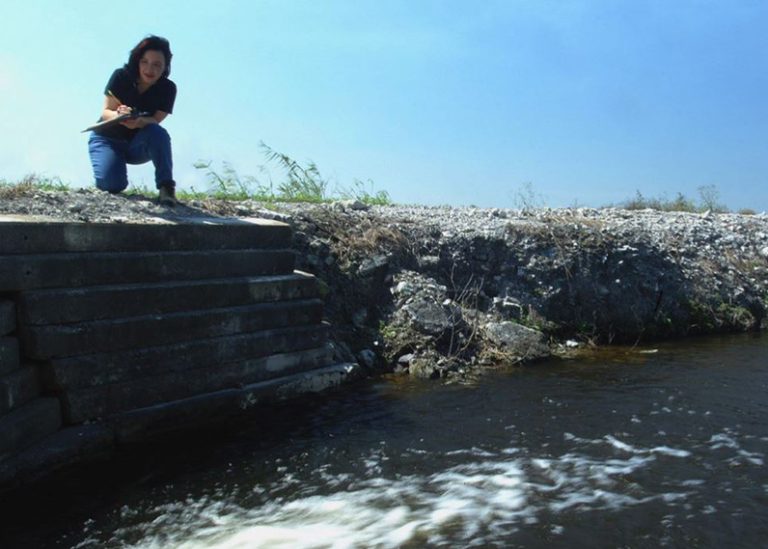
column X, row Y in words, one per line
column 122, row 366
column 28, row 424
column 18, row 387
column 155, row 420
column 300, row 384
column 139, row 425
column 72, row 270
column 9, row 355
column 17, row 237
column 65, row 305
column 67, row 446
column 7, row 317
column 105, row 400
column 43, row 342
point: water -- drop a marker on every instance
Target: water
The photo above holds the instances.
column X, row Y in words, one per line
column 634, row 448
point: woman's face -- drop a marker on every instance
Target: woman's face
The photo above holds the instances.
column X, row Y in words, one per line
column 151, row 67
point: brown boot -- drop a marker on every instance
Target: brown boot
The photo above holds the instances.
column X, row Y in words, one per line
column 167, row 196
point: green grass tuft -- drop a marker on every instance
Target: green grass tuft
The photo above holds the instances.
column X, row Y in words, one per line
column 30, row 184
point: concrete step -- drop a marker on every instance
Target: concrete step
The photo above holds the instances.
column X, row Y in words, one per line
column 121, row 366
column 65, row 305
column 64, row 447
column 43, row 342
column 105, row 400
column 7, row 317
column 28, row 424
column 18, row 387
column 158, row 419
column 69, row 270
column 208, row 233
column 9, row 355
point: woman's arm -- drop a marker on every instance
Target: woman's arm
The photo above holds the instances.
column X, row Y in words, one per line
column 110, row 110
column 135, row 123
column 113, row 108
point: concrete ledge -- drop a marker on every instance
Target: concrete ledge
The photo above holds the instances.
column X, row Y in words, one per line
column 105, row 400
column 83, row 443
column 17, row 388
column 65, row 305
column 43, row 342
column 108, row 368
column 140, row 424
column 9, row 355
column 69, row 270
column 7, row 317
column 65, row 447
column 209, row 233
column 300, row 384
column 28, row 424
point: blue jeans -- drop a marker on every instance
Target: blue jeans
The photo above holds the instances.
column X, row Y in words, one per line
column 109, row 157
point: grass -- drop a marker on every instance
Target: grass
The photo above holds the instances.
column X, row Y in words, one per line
column 299, row 182
column 709, row 200
column 30, row 184
column 296, row 182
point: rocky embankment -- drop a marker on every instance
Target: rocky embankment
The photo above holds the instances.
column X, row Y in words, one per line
column 437, row 290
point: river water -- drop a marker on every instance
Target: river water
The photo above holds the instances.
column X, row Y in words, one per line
column 646, row 447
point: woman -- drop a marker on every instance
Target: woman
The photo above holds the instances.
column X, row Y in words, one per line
column 142, row 89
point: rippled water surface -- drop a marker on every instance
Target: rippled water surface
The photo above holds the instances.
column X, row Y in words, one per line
column 648, row 447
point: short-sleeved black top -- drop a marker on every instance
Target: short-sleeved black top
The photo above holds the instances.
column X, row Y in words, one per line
column 159, row 97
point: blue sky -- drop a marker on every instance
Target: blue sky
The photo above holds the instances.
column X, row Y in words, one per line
column 437, row 102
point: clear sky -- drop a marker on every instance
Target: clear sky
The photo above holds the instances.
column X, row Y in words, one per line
column 582, row 102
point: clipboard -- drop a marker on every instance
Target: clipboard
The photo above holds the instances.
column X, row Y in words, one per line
column 115, row 121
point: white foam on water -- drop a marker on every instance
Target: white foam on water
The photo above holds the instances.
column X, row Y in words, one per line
column 673, row 452
column 728, row 440
column 619, row 445
column 491, row 494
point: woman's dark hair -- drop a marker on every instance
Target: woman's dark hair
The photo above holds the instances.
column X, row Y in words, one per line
column 151, row 42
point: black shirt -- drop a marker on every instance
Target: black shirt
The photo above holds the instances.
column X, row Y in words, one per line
column 159, row 97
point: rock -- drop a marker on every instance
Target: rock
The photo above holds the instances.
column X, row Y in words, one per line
column 373, row 265
column 509, row 308
column 357, row 205
column 432, row 318
column 428, row 262
column 359, row 318
column 367, row 358
column 425, row 367
column 354, row 205
column 404, row 288
column 405, row 359
column 517, row 340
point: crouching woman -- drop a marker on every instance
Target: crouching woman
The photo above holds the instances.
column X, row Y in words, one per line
column 141, row 86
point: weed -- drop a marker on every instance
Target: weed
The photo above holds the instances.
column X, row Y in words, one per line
column 300, row 183
column 388, row 331
column 30, row 184
column 526, row 199
column 709, row 201
column 358, row 191
column 303, row 183
column 228, row 184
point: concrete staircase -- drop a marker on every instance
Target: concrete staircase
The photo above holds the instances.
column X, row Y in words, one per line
column 113, row 332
